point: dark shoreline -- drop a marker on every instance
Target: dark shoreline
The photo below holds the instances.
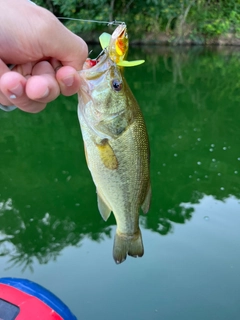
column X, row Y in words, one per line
column 170, row 40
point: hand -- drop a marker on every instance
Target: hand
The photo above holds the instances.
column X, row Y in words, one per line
column 46, row 56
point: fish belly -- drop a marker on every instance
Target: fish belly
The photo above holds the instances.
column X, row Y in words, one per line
column 120, row 171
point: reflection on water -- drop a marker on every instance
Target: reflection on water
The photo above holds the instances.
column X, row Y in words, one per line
column 191, row 106
column 189, row 98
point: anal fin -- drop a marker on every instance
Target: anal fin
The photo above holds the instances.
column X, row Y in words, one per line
column 146, row 203
column 103, row 208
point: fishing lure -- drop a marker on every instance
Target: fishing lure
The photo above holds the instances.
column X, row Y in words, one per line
column 117, row 46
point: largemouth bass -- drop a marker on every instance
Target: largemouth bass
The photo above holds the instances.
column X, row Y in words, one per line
column 117, row 151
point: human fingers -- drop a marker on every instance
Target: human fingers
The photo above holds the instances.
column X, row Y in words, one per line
column 13, row 86
column 69, row 80
column 42, row 86
column 3, row 99
column 30, row 87
column 32, row 33
column 53, row 39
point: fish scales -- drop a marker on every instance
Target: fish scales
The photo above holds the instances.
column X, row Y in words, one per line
column 117, row 152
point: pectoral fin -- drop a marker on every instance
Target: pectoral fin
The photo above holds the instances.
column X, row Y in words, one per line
column 147, row 200
column 103, row 208
column 107, row 155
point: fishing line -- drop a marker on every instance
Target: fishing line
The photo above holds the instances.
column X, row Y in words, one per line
column 109, row 23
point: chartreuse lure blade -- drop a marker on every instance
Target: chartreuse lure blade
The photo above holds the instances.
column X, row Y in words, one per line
column 133, row 63
column 104, row 40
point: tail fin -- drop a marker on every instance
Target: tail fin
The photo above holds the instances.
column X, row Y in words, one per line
column 127, row 245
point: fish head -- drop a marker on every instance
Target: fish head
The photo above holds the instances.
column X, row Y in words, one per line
column 103, row 97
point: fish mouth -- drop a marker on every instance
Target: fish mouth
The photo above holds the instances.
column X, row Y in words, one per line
column 94, row 68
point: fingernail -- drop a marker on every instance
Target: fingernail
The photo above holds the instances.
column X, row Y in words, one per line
column 16, row 91
column 46, row 93
column 68, row 81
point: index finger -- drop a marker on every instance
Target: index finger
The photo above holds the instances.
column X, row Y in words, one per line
column 66, row 47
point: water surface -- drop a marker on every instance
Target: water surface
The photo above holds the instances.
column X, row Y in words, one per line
column 50, row 228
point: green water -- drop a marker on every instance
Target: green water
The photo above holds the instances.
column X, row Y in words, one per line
column 50, row 228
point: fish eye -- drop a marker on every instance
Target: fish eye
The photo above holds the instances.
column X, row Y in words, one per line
column 116, row 85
